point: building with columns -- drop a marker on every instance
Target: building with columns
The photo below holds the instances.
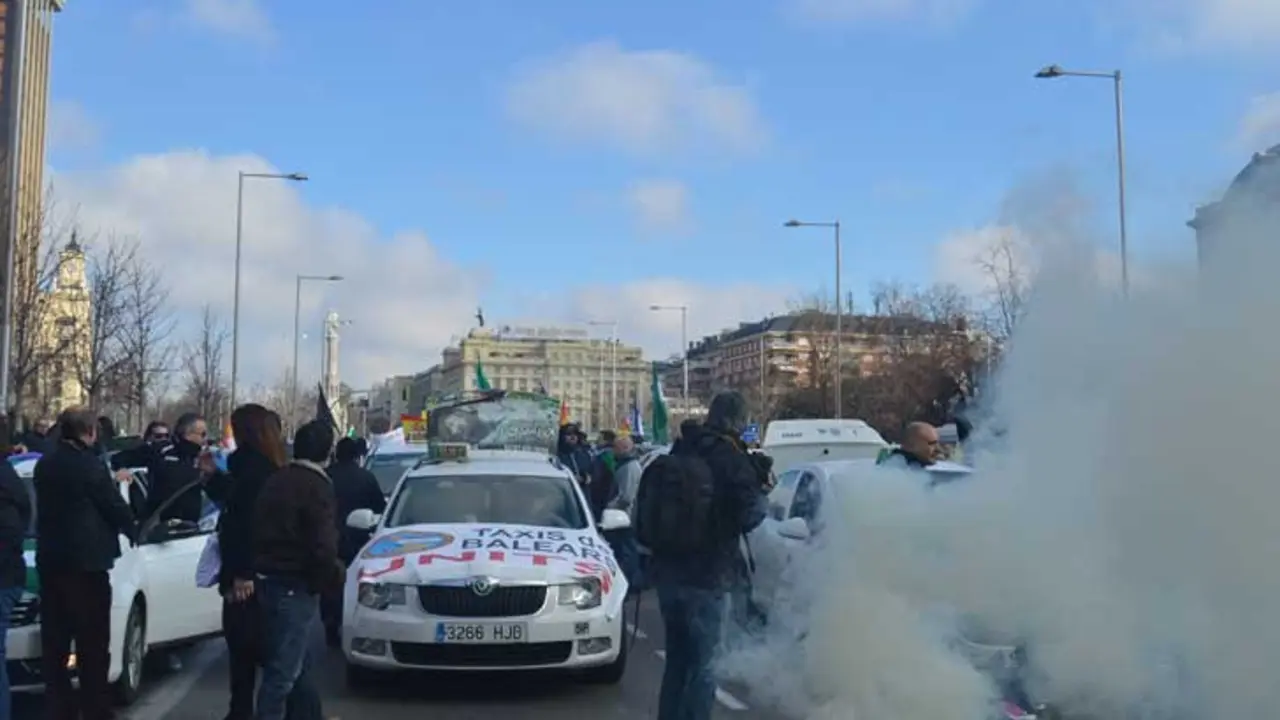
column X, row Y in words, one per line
column 597, row 377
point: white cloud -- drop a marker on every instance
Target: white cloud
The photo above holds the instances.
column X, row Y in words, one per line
column 70, row 127
column 660, row 205
column 245, row 19
column 1260, row 127
column 405, row 299
column 1188, row 25
column 984, row 260
column 870, row 11
column 644, row 101
column 970, row 259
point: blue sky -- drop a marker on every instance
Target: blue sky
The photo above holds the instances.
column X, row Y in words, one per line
column 909, row 126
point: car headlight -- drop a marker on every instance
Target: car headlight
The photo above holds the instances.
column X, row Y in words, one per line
column 380, row 596
column 583, row 593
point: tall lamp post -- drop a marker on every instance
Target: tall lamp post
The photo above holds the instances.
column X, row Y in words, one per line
column 235, row 313
column 684, row 345
column 613, row 361
column 839, row 364
column 1117, row 79
column 297, row 331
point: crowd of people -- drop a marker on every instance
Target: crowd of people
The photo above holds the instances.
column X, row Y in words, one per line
column 279, row 546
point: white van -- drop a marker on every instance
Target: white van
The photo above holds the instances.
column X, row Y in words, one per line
column 795, row 442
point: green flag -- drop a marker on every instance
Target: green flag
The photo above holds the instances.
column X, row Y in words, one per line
column 658, row 425
column 482, row 382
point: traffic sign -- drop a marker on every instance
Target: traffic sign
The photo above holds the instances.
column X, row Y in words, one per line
column 751, row 434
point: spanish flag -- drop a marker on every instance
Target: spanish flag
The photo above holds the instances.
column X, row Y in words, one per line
column 564, row 413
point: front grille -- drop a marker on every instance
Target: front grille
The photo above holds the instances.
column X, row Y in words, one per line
column 440, row 655
column 512, row 601
column 25, row 612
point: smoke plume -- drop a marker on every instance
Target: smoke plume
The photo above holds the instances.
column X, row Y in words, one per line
column 1124, row 529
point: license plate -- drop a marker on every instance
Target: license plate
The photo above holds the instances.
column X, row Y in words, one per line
column 481, row 633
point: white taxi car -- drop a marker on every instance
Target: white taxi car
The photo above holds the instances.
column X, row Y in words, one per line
column 155, row 602
column 485, row 560
column 390, row 461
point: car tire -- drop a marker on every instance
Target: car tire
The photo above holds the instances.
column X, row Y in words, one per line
column 361, row 678
column 612, row 673
column 133, row 653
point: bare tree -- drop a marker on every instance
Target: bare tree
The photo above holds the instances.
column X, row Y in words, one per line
column 102, row 359
column 206, row 389
column 147, row 327
column 1009, row 282
column 37, row 339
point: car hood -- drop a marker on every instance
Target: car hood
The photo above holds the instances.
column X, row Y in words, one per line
column 423, row 554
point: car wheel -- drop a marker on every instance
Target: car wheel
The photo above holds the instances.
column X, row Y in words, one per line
column 361, row 678
column 133, row 652
column 612, row 673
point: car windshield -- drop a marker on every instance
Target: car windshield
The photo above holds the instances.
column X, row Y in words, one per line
column 488, row 499
column 389, row 467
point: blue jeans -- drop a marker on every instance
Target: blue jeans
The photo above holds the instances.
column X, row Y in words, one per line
column 693, row 618
column 8, row 598
column 289, row 613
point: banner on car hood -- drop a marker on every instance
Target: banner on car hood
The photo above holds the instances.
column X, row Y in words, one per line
column 566, row 553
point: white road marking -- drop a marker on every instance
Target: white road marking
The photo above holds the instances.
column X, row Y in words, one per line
column 724, row 697
column 631, row 628
column 160, row 701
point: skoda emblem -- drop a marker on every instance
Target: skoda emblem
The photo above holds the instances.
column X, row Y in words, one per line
column 482, row 586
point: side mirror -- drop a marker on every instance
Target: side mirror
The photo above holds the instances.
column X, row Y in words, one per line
column 794, row 529
column 363, row 519
column 614, row 519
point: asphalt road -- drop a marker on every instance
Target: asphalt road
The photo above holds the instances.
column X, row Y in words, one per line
column 198, row 691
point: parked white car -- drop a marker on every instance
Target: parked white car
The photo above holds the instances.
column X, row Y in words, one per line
column 485, row 560
column 390, row 461
column 795, row 514
column 155, row 602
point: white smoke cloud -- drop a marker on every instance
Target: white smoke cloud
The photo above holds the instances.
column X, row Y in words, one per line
column 1123, row 528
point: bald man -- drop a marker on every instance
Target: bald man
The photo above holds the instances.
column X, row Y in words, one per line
column 919, row 449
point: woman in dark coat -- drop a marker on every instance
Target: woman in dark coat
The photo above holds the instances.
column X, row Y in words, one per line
column 260, row 451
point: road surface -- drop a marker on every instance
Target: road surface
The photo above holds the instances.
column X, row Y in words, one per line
column 198, row 691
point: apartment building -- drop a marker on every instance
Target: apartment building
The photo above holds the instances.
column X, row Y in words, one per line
column 1249, row 209
column 25, row 53
column 597, row 377
column 765, row 358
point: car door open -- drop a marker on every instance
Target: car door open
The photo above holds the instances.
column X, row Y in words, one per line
column 171, row 548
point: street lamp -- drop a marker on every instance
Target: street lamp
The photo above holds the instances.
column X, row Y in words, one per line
column 235, row 313
column 613, row 359
column 1056, row 71
column 839, row 369
column 297, row 321
column 684, row 345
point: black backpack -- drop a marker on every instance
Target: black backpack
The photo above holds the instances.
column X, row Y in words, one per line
column 675, row 507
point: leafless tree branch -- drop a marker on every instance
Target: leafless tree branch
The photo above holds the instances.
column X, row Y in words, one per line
column 202, row 362
column 110, row 270
column 148, row 325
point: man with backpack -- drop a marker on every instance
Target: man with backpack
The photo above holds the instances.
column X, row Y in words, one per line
column 693, row 507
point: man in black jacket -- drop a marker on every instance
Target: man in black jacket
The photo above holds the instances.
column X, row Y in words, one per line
column 354, row 488
column 81, row 516
column 176, row 466
column 692, row 587
column 154, row 439
column 295, row 556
